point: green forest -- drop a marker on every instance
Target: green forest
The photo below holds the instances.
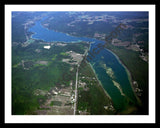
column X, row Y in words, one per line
column 39, row 69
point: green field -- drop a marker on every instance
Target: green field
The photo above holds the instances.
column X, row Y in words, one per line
column 32, row 70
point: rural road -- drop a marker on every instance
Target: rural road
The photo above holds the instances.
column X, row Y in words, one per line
column 75, row 104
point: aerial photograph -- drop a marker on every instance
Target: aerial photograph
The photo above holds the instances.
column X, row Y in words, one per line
column 79, row 62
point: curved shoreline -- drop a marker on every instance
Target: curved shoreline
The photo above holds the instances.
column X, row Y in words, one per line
column 128, row 74
column 100, row 82
column 93, row 39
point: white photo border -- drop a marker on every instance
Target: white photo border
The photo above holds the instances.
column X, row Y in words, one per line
column 9, row 118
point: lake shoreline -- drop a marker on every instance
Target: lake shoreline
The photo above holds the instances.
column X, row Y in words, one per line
column 128, row 74
column 65, row 37
column 100, row 82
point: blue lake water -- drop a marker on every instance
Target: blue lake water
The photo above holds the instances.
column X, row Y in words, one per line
column 104, row 57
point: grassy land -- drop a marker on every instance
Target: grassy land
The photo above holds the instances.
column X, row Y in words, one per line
column 138, row 69
column 39, row 76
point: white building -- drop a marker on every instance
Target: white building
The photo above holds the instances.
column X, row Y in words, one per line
column 47, row 47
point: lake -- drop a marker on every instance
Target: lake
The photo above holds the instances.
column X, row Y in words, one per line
column 110, row 72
